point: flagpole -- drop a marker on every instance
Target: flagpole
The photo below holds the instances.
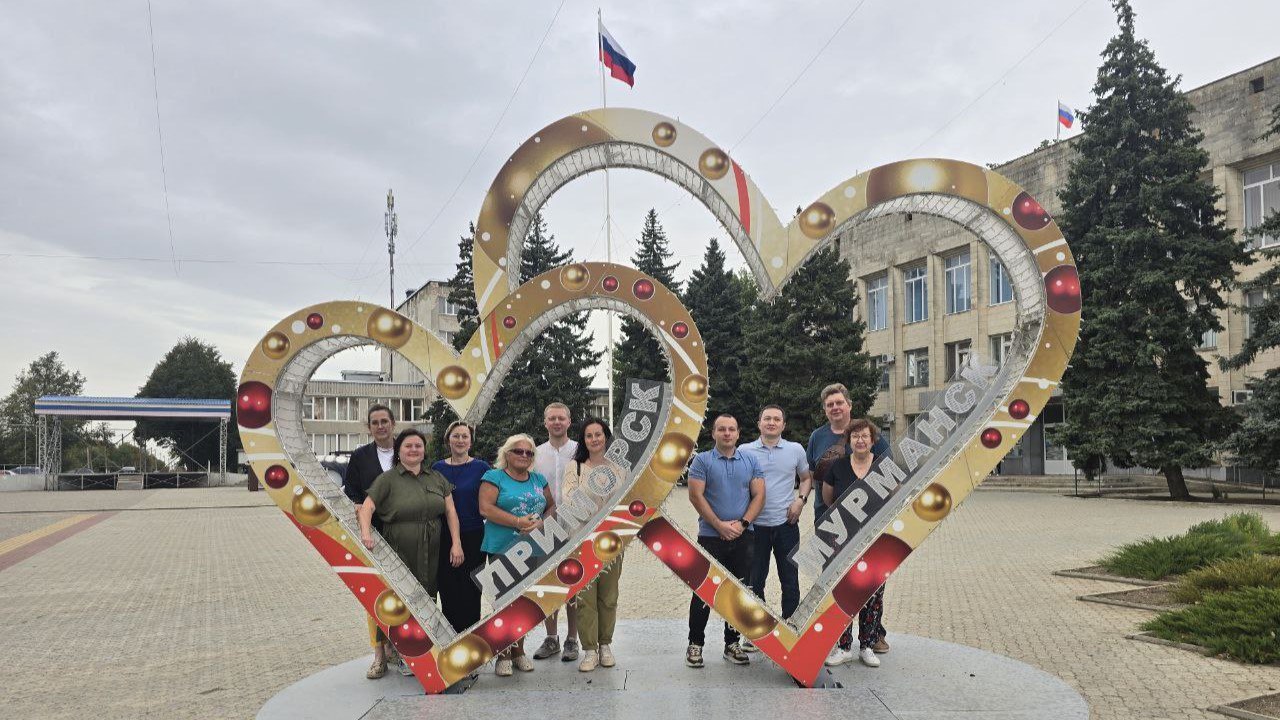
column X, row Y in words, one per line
column 1057, row 126
column 608, row 220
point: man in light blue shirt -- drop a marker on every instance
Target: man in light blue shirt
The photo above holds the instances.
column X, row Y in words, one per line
column 776, row 529
column 726, row 487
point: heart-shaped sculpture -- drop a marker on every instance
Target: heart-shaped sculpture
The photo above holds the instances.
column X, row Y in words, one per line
column 269, row 414
column 1001, row 402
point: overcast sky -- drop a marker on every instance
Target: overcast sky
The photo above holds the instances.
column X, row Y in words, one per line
column 284, row 123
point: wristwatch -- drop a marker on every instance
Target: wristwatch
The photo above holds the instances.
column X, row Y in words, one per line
column 745, row 523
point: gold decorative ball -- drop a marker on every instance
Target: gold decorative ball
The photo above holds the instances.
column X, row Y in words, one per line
column 453, row 382
column 390, row 609
column 933, row 504
column 713, row 163
column 275, row 345
column 694, row 389
column 743, row 611
column 672, row 455
column 575, row 277
column 607, row 545
column 664, row 134
column 926, row 176
column 308, row 510
column 817, row 220
column 466, row 654
column 389, row 328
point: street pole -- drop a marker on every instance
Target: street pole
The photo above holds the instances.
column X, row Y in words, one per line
column 392, row 226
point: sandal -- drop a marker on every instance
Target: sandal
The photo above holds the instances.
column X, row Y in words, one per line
column 377, row 669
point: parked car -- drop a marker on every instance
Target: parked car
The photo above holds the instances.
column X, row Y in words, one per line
column 128, row 470
column 26, row 470
column 82, row 471
column 7, row 472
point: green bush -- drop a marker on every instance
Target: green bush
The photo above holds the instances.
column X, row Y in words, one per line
column 1233, row 536
column 1242, row 624
column 1225, row 575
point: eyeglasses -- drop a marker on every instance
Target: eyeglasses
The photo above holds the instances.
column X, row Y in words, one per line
column 861, row 436
column 521, row 452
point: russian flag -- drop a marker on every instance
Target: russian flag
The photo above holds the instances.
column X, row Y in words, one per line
column 615, row 58
column 1065, row 116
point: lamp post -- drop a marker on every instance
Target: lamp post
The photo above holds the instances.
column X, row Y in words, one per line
column 392, row 225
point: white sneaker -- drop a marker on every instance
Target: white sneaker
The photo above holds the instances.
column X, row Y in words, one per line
column 503, row 668
column 748, row 646
column 838, row 656
column 868, row 657
column 606, row 656
column 590, row 658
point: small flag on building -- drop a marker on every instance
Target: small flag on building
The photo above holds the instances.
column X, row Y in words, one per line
column 615, row 58
column 1065, row 115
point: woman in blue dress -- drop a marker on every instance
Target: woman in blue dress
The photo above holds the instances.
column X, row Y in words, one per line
column 459, row 594
column 513, row 500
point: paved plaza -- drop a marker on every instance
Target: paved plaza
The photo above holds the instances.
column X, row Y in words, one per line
column 206, row 603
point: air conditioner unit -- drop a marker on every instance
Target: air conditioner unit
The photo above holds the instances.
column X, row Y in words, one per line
column 1240, row 397
column 886, row 359
column 890, row 417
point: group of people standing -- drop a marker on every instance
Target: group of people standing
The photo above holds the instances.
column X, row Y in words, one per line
column 447, row 519
column 749, row 500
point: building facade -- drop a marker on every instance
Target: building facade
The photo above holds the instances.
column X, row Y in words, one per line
column 931, row 294
column 335, row 412
column 429, row 307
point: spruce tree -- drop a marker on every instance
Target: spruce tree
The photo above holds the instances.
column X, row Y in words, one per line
column 717, row 302
column 1153, row 256
column 1254, row 441
column 638, row 354
column 462, row 294
column 805, row 340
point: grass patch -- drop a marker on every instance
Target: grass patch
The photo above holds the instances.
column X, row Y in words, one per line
column 1227, row 575
column 1242, row 624
column 1234, row 536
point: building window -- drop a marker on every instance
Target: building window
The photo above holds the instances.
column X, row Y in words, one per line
column 916, row 294
column 317, row 443
column 1001, row 288
column 1252, row 299
column 445, row 307
column 957, row 357
column 1261, row 198
column 918, row 367
column 878, row 302
column 411, row 410
column 957, row 275
column 999, row 347
column 885, row 366
column 308, row 409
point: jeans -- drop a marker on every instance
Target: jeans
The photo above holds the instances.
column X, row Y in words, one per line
column 735, row 556
column 778, row 541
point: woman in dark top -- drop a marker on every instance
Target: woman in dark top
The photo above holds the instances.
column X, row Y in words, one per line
column 410, row 500
column 837, row 475
column 459, row 594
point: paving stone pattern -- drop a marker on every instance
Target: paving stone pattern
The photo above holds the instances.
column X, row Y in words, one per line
column 206, row 602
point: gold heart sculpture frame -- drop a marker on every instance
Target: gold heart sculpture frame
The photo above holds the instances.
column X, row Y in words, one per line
column 1010, row 222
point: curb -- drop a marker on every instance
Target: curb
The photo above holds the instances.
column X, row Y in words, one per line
column 1080, row 573
column 1238, row 713
column 1102, row 599
column 1197, row 649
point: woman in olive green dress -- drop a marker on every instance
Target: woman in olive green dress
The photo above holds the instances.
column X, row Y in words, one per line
column 410, row 499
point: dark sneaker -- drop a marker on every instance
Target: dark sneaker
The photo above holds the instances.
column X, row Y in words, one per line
column 570, row 650
column 880, row 647
column 734, row 654
column 693, row 656
column 549, row 647
column 747, row 646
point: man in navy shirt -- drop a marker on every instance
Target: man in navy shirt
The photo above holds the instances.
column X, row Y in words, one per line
column 726, row 487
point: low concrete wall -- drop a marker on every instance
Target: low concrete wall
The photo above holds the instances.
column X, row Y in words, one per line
column 21, row 483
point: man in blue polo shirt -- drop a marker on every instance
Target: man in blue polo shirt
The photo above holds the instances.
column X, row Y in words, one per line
column 777, row 529
column 727, row 489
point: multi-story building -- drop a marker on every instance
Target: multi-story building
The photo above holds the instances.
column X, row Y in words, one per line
column 931, row 294
column 429, row 307
column 334, row 412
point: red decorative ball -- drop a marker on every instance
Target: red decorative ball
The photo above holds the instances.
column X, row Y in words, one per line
column 410, row 639
column 570, row 571
column 1019, row 409
column 680, row 330
column 869, row 573
column 685, row 559
column 253, row 404
column 1028, row 213
column 511, row 623
column 991, row 438
column 276, row 476
column 636, row 508
column 643, row 289
column 315, row 321
column 610, row 283
column 1062, row 284
column 508, row 322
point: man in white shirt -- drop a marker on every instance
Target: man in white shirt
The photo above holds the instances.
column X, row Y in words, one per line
column 550, row 460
